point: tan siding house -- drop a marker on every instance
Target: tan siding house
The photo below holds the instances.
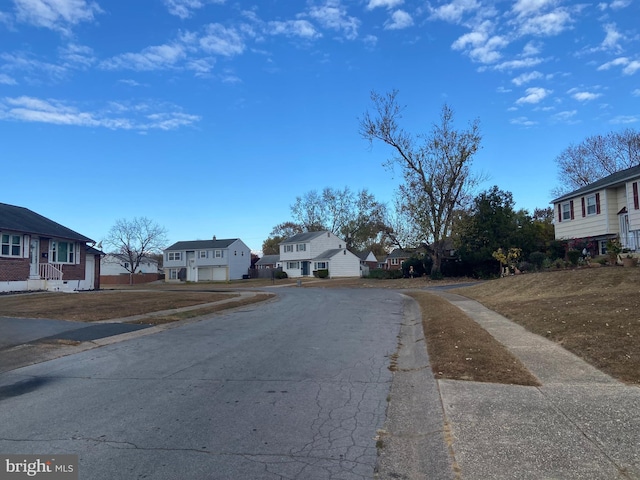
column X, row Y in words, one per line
column 605, row 209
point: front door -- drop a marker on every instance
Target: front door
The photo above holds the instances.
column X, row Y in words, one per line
column 624, row 231
column 305, row 268
column 34, row 255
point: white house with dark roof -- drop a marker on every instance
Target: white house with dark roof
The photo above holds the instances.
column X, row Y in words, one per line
column 37, row 253
column 604, row 209
column 307, row 252
column 207, row 260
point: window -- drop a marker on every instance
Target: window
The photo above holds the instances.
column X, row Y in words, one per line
column 11, row 245
column 203, row 254
column 301, row 247
column 394, row 261
column 61, row 252
column 566, row 211
column 219, row 253
column 292, row 265
column 288, row 248
column 591, row 205
column 174, row 256
column 321, row 266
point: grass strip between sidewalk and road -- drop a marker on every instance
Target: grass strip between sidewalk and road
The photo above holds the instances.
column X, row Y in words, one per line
column 460, row 349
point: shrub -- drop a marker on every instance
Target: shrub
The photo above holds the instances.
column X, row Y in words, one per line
column 436, row 276
column 281, row 275
column 324, row 273
column 381, row 274
column 537, row 259
column 547, row 263
column 526, row 267
column 559, row 263
column 574, row 256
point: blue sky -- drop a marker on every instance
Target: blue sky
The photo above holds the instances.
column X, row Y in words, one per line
column 211, row 116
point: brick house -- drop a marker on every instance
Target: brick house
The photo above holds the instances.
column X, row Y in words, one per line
column 37, row 253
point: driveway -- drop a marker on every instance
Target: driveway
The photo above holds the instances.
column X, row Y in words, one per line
column 295, row 388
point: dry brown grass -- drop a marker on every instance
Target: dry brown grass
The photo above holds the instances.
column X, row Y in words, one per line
column 102, row 305
column 460, row 349
column 592, row 312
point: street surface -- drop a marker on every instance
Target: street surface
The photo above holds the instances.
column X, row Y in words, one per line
column 293, row 388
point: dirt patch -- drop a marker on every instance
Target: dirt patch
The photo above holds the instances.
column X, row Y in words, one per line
column 592, row 312
column 460, row 349
column 102, row 305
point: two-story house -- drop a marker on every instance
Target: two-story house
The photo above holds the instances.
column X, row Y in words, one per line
column 307, row 252
column 607, row 208
column 207, row 260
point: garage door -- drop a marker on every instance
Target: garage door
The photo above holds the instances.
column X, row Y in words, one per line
column 205, row 274
column 220, row 273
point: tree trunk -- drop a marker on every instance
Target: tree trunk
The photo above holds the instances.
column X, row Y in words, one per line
column 436, row 263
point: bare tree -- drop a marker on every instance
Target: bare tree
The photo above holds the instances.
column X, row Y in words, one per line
column 596, row 157
column 435, row 168
column 134, row 240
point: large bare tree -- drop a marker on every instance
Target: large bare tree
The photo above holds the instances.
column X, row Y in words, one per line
column 596, row 157
column 134, row 240
column 435, row 168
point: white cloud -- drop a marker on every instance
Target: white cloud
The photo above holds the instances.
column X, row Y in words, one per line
column 151, row 58
column 454, row 11
column 399, row 20
column 370, row 41
column 565, row 116
column 531, row 7
column 32, row 69
column 30, row 109
column 524, row 121
column 59, row 15
column 618, row 4
column 585, row 96
column 7, row 80
column 221, row 40
column 625, row 119
column 383, row 3
column 548, row 24
column 534, row 95
column 334, row 16
column 480, row 45
column 77, row 55
column 293, row 28
column 184, row 8
column 636, row 92
column 629, row 67
column 517, row 64
column 612, row 38
column 526, row 78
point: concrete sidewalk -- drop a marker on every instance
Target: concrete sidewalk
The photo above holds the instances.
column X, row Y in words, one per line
column 580, row 424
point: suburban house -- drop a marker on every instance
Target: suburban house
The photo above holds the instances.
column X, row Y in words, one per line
column 604, row 209
column 207, row 260
column 114, row 270
column 395, row 259
column 39, row 254
column 305, row 253
column 268, row 261
column 368, row 259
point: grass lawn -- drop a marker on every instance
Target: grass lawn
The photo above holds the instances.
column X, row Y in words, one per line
column 592, row 312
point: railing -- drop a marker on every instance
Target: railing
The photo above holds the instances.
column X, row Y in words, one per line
column 51, row 271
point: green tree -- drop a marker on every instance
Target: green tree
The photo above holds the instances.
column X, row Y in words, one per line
column 436, row 169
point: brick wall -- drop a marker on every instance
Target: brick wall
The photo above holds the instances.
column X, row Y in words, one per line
column 14, row 269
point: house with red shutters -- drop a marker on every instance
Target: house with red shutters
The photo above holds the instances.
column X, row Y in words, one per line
column 605, row 209
column 37, row 253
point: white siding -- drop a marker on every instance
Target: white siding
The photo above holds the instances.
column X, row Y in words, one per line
column 239, row 260
column 344, row 265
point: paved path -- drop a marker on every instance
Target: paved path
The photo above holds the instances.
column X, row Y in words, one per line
column 580, row 424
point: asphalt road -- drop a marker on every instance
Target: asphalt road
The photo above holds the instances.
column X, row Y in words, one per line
column 295, row 388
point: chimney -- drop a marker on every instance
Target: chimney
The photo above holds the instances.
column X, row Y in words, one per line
column 214, row 237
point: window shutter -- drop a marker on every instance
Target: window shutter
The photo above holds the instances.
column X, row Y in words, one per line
column 559, row 212
column 636, row 200
column 571, row 209
column 598, row 203
column 584, row 211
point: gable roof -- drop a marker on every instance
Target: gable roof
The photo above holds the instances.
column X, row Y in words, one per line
column 202, row 244
column 328, row 254
column 268, row 260
column 20, row 219
column 612, row 180
column 304, row 237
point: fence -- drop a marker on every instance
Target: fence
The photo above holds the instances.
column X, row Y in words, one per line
column 263, row 272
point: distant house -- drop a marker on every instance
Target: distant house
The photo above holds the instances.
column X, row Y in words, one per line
column 367, row 258
column 207, row 260
column 304, row 253
column 114, row 270
column 395, row 259
column 37, row 253
column 605, row 209
column 268, row 261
